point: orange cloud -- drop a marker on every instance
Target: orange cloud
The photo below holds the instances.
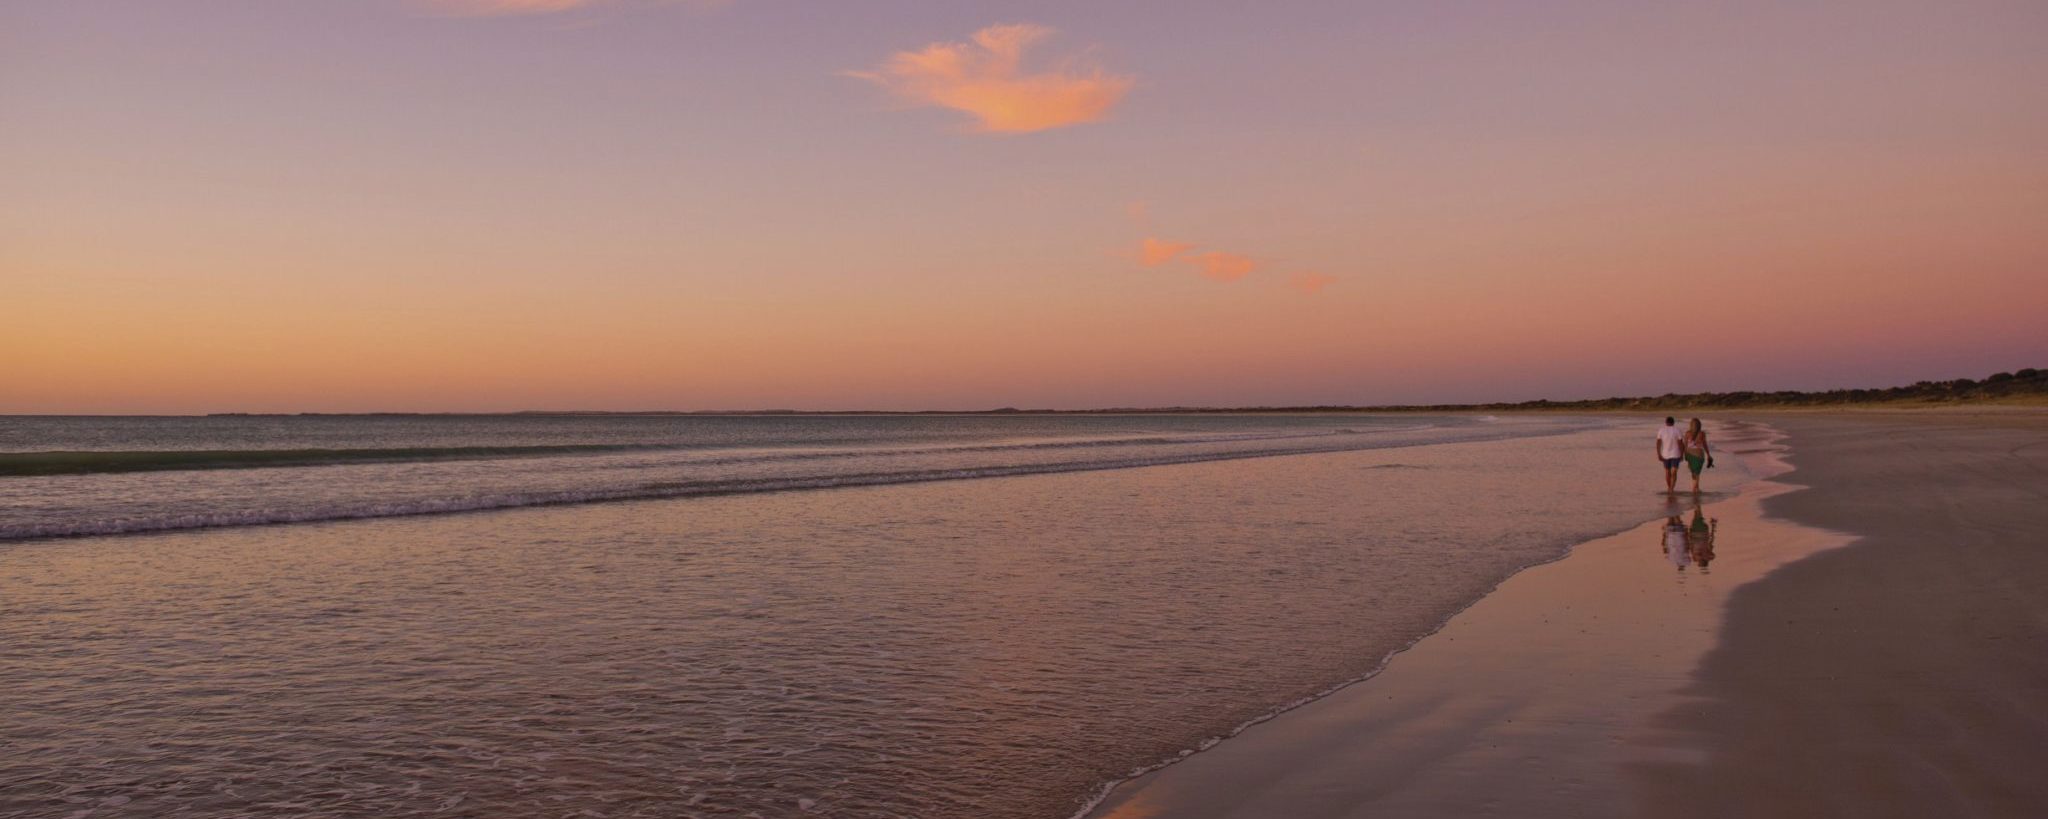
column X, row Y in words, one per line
column 1223, row 267
column 1308, row 282
column 986, row 79
column 1155, row 252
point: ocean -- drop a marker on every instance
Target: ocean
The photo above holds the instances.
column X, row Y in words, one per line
column 771, row 615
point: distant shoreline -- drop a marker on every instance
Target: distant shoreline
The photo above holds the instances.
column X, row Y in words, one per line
column 2026, row 387
column 1631, row 405
column 2021, row 388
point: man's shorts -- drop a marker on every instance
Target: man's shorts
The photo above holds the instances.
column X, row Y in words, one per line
column 1672, row 463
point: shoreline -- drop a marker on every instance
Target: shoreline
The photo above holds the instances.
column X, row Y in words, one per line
column 1903, row 676
column 1445, row 726
column 1107, row 793
column 1511, row 708
column 1597, row 675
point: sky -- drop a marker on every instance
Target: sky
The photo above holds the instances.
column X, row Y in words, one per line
column 484, row 205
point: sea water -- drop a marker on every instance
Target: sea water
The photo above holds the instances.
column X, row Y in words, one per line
column 861, row 616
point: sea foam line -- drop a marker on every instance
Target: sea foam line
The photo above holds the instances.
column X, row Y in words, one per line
column 676, row 489
column 91, row 462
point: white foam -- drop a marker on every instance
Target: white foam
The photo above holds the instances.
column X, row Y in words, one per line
column 629, row 478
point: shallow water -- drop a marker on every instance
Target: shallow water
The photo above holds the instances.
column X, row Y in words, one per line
column 989, row 648
column 64, row 476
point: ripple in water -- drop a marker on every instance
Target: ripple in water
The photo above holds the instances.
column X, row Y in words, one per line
column 995, row 648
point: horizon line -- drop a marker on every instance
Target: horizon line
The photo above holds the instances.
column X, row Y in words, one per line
column 2030, row 381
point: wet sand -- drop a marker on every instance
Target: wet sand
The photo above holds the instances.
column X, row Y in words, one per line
column 1902, row 676
column 1906, row 675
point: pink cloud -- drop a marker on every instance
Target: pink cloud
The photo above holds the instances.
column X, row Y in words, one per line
column 1309, row 282
column 986, row 79
column 1155, row 252
column 1223, row 267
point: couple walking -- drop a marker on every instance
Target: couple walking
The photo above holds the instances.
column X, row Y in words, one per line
column 1688, row 447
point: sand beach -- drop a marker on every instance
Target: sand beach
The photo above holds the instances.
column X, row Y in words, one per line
column 1866, row 642
column 1906, row 675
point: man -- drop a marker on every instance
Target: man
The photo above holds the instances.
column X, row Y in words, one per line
column 1670, row 450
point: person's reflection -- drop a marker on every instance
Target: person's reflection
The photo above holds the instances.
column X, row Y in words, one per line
column 1675, row 537
column 1699, row 538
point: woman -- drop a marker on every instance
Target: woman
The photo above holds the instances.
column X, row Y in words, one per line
column 1697, row 455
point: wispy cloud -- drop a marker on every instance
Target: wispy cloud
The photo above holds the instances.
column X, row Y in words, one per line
column 1155, row 252
column 1222, row 266
column 1309, row 282
column 986, row 79
column 1219, row 265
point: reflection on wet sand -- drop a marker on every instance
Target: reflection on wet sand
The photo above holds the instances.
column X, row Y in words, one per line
column 1545, row 698
column 1699, row 539
column 1689, row 544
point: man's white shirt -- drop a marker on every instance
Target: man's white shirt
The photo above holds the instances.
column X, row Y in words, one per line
column 1668, row 442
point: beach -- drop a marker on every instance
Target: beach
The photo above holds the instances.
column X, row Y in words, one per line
column 1127, row 616
column 1868, row 644
column 1906, row 675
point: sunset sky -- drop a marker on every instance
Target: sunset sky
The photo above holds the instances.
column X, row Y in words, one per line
column 340, row 205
